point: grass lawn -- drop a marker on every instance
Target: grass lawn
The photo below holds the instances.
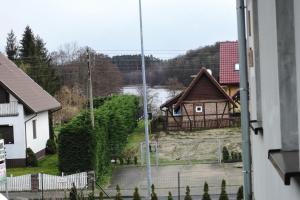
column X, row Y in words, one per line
column 136, row 137
column 47, row 165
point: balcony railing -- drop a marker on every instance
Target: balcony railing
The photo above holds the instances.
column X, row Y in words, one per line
column 9, row 109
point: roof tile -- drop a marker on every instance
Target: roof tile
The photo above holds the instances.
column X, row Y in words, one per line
column 229, row 56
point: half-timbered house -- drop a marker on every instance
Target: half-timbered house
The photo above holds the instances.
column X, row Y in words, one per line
column 203, row 104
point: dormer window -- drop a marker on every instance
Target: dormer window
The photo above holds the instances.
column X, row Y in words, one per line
column 237, row 67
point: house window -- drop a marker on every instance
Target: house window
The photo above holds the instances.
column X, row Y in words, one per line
column 34, row 128
column 237, row 66
column 177, row 112
column 249, row 22
column 7, row 133
column 4, row 96
column 199, row 109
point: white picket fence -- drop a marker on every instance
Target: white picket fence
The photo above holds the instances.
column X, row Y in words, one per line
column 17, row 183
column 46, row 182
column 50, row 182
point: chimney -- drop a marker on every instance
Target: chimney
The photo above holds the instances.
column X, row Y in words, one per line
column 209, row 71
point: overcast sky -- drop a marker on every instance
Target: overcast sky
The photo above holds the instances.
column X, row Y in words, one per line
column 104, row 25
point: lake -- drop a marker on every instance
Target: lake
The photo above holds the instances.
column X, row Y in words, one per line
column 160, row 94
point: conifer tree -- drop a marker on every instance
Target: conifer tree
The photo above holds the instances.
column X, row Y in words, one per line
column 101, row 196
column 41, row 50
column 11, row 46
column 136, row 195
column 223, row 195
column 240, row 193
column 73, row 193
column 153, row 194
column 225, row 153
column 187, row 194
column 170, row 197
column 118, row 195
column 27, row 48
column 205, row 194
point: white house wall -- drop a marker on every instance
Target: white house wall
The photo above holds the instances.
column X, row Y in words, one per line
column 42, row 131
column 267, row 183
column 16, row 150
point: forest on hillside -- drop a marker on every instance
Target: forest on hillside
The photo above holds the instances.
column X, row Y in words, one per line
column 159, row 71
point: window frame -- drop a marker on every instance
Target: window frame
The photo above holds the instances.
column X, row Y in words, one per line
column 178, row 113
column 34, row 133
column 11, row 138
column 199, row 111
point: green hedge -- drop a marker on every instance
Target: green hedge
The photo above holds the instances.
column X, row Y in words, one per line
column 81, row 149
column 76, row 144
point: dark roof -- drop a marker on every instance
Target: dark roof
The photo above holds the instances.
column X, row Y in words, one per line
column 177, row 100
column 229, row 56
column 171, row 101
column 28, row 92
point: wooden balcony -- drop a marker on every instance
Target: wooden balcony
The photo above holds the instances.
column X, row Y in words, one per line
column 9, row 109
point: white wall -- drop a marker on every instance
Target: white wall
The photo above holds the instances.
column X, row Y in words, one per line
column 267, row 183
column 42, row 131
column 16, row 150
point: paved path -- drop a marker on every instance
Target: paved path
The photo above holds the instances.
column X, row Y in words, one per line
column 165, row 178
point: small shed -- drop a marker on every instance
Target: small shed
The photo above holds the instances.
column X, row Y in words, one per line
column 203, row 104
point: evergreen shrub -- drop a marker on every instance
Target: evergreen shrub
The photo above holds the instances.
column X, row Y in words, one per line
column 31, row 159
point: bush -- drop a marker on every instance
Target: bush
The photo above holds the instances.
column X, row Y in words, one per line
column 118, row 195
column 128, row 160
column 51, row 147
column 82, row 148
column 31, row 159
column 76, row 143
column 121, row 160
column 135, row 160
column 170, row 197
column 187, row 194
column 240, row 194
column 73, row 193
column 240, row 158
column 223, row 195
column 225, row 154
column 205, row 194
column 101, row 196
column 153, row 194
column 136, row 195
column 91, row 196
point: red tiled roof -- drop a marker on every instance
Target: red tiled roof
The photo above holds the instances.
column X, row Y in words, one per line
column 229, row 56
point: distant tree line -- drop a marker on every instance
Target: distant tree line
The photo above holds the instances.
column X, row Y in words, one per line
column 159, row 71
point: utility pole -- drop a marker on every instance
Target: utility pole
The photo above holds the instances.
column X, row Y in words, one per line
column 90, row 87
column 244, row 99
column 149, row 178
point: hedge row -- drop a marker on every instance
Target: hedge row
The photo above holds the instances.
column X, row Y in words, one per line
column 82, row 149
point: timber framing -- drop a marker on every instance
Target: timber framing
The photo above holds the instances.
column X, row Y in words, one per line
column 203, row 104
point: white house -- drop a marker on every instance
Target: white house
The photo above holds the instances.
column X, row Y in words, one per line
column 24, row 110
column 273, row 34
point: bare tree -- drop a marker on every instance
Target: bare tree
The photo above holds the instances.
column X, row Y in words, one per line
column 174, row 86
column 72, row 101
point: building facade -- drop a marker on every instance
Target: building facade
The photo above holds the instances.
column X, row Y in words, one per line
column 203, row 104
column 273, row 37
column 24, row 110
